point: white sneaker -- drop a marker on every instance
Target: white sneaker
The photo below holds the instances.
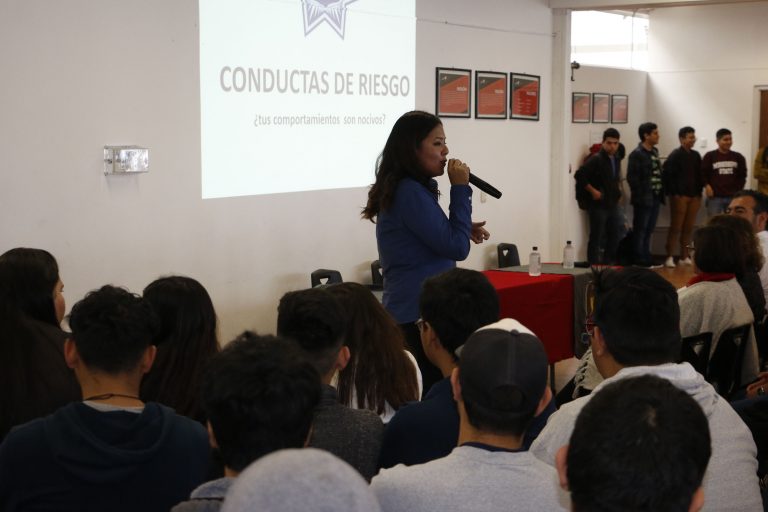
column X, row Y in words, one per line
column 687, row 261
column 670, row 263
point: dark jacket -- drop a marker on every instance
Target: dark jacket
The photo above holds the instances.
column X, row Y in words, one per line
column 639, row 176
column 598, row 172
column 682, row 173
column 353, row 435
column 80, row 458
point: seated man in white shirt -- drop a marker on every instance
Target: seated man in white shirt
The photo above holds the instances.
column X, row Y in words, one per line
column 499, row 385
column 637, row 332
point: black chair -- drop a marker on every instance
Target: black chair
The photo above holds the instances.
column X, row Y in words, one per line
column 377, row 278
column 724, row 372
column 695, row 350
column 508, row 255
column 323, row 276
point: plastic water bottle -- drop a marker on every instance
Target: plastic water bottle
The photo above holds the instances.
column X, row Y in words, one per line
column 569, row 255
column 534, row 263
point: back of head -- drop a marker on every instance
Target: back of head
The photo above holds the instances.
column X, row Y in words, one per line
column 645, row 129
column 259, row 395
column 27, row 279
column 717, row 250
column 503, row 375
column 378, row 371
column 722, row 132
column 637, row 312
column 305, row 480
column 399, row 159
column 186, row 341
column 456, row 303
column 749, row 246
column 314, row 319
column 611, row 133
column 639, row 444
column 112, row 328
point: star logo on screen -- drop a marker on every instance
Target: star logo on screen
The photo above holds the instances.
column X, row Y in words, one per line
column 332, row 12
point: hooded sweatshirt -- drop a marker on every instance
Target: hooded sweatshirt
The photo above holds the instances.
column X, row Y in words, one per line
column 730, row 482
column 83, row 458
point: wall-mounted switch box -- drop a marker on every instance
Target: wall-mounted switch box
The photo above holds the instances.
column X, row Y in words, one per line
column 125, row 159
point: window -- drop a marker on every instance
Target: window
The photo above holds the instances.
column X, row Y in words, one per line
column 610, row 39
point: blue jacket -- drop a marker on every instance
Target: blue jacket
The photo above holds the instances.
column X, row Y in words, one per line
column 416, row 241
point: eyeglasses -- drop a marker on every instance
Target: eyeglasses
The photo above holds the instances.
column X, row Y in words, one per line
column 589, row 331
column 420, row 324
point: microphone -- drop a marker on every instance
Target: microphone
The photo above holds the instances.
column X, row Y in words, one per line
column 484, row 186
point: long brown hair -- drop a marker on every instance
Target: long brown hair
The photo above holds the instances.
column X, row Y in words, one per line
column 398, row 160
column 750, row 247
column 379, row 370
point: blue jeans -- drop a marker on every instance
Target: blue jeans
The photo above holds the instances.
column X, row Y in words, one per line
column 643, row 224
column 606, row 227
column 717, row 205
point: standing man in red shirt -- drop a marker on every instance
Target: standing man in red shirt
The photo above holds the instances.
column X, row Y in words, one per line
column 724, row 173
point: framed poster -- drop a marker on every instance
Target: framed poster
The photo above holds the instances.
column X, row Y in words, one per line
column 581, row 107
column 601, row 107
column 619, row 108
column 453, row 89
column 490, row 95
column 524, row 96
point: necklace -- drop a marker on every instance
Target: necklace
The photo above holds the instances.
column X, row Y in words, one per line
column 107, row 396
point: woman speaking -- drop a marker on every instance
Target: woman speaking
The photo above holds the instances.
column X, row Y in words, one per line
column 415, row 238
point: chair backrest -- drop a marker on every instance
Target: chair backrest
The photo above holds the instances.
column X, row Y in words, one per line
column 377, row 278
column 695, row 350
column 508, row 255
column 323, row 276
column 724, row 372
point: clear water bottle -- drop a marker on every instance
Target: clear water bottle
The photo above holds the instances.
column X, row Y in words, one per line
column 534, row 263
column 569, row 255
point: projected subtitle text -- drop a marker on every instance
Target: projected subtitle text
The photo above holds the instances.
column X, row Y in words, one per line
column 289, row 121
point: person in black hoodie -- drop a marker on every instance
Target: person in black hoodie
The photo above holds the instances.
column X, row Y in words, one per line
column 111, row 451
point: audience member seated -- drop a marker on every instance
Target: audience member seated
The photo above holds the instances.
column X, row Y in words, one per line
column 112, row 451
column 381, row 374
column 314, row 320
column 34, row 378
column 186, row 342
column 259, row 396
column 500, row 384
column 637, row 332
column 713, row 301
column 453, row 305
column 306, row 480
column 753, row 206
column 749, row 249
column 640, row 444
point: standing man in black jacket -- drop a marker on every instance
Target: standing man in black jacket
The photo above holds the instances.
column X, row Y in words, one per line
column 600, row 178
column 683, row 184
column 644, row 178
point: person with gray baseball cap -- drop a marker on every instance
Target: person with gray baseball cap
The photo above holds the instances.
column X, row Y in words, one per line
column 500, row 384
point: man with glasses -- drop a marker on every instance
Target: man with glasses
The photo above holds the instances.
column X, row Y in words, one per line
column 753, row 206
column 637, row 332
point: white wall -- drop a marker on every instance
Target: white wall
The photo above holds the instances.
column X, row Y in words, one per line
column 612, row 81
column 73, row 82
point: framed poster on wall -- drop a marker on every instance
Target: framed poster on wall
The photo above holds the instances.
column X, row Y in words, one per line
column 601, row 107
column 524, row 96
column 490, row 95
column 581, row 107
column 619, row 108
column 453, row 90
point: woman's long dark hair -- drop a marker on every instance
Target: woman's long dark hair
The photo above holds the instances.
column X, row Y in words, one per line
column 33, row 380
column 186, row 341
column 398, row 160
column 749, row 248
column 379, row 370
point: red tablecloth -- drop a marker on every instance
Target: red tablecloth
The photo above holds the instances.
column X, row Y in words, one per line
column 544, row 304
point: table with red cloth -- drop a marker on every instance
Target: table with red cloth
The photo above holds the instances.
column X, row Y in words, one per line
column 543, row 303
